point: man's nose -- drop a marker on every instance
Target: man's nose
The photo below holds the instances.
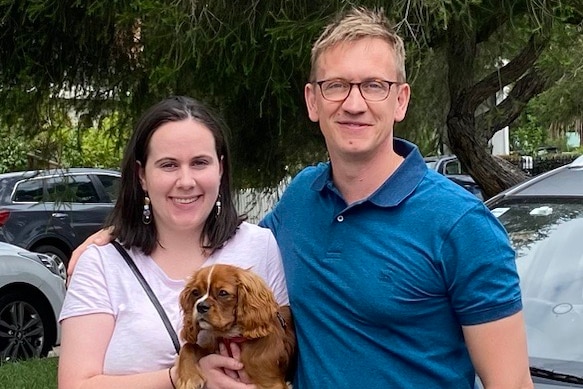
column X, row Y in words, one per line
column 354, row 102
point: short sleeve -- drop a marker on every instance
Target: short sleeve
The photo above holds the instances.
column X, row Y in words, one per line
column 275, row 272
column 87, row 292
column 480, row 268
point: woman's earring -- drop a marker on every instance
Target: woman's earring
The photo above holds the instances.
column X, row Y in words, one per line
column 219, row 205
column 146, row 214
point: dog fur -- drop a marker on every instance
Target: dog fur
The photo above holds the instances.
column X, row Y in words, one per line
column 224, row 303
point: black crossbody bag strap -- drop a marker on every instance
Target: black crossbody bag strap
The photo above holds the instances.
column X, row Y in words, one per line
column 150, row 294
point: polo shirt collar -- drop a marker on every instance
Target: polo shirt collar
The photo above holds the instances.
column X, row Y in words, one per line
column 398, row 186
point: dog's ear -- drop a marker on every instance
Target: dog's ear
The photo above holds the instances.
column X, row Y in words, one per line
column 256, row 306
column 189, row 331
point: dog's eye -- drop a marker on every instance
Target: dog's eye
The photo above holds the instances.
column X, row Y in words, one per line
column 195, row 293
column 223, row 293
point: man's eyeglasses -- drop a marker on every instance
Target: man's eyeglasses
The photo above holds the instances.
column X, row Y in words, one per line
column 371, row 90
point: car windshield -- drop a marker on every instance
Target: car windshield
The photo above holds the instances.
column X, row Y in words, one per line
column 548, row 238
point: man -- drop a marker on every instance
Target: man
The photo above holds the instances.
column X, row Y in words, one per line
column 397, row 277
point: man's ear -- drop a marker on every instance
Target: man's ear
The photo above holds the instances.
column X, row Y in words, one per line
column 311, row 102
column 403, row 96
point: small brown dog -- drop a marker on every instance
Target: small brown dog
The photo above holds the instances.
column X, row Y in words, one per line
column 224, row 303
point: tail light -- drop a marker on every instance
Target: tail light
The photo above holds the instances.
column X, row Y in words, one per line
column 4, row 215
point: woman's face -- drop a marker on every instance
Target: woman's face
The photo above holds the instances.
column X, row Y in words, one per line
column 182, row 176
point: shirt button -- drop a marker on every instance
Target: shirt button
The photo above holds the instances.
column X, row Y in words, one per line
column 340, row 219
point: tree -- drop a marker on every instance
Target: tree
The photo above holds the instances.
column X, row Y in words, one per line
column 250, row 59
column 560, row 108
column 12, row 153
column 468, row 132
column 124, row 56
column 479, row 49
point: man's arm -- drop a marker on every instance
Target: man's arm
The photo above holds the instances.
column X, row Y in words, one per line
column 499, row 353
column 100, row 238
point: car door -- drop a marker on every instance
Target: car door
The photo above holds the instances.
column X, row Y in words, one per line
column 27, row 212
column 77, row 210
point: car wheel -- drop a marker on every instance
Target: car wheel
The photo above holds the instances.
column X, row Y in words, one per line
column 52, row 250
column 23, row 328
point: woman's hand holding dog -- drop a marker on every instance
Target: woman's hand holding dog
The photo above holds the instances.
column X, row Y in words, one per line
column 224, row 372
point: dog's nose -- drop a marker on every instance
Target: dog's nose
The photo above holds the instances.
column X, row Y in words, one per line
column 202, row 307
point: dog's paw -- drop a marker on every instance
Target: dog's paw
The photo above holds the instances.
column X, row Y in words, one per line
column 191, row 383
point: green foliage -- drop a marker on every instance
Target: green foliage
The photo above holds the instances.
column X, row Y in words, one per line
column 32, row 374
column 543, row 163
column 552, row 161
column 559, row 143
column 64, row 145
column 562, row 103
column 92, row 147
column 426, row 115
column 249, row 59
column 13, row 153
column 252, row 64
column 528, row 136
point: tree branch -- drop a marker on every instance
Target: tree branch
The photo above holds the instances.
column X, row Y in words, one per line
column 494, row 20
column 527, row 87
column 509, row 73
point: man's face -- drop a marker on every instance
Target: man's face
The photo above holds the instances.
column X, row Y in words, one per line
column 357, row 128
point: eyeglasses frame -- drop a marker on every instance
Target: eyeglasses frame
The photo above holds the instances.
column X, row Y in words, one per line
column 358, row 84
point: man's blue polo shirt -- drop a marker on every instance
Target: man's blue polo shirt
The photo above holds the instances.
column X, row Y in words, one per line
column 380, row 288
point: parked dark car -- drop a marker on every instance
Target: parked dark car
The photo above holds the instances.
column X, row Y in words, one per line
column 32, row 290
column 53, row 211
column 450, row 166
column 544, row 219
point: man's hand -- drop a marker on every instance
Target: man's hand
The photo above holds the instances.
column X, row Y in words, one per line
column 100, row 238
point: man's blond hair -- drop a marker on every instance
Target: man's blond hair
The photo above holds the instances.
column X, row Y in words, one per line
column 356, row 24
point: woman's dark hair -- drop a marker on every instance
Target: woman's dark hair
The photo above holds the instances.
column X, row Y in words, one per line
column 126, row 217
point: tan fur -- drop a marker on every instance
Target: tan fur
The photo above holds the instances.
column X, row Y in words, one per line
column 239, row 304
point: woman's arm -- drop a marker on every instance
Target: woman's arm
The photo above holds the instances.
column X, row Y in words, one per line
column 82, row 353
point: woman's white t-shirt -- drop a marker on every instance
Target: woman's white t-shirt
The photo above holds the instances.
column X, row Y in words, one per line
column 104, row 283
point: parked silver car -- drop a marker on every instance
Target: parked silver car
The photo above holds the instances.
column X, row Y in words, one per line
column 544, row 219
column 32, row 290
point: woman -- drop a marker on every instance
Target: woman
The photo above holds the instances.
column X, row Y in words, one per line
column 174, row 215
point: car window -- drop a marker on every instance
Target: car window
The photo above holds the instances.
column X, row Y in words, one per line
column 28, row 191
column 110, row 185
column 530, row 221
column 547, row 236
column 73, row 188
column 5, row 189
column 86, row 192
column 59, row 189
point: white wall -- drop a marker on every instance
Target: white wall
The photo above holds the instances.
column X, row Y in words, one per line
column 500, row 142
